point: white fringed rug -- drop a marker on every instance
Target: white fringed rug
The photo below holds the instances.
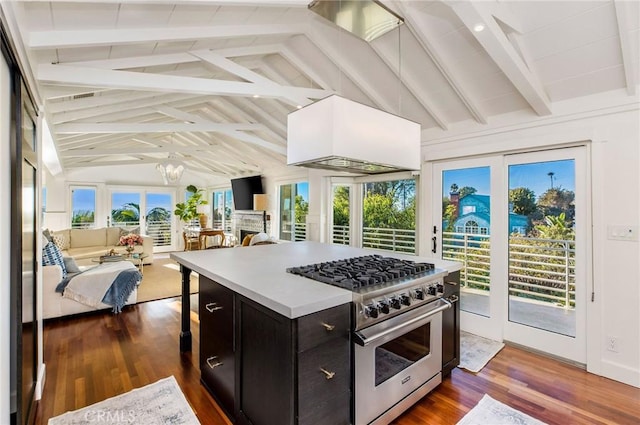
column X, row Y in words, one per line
column 159, row 403
column 490, row 411
column 475, row 351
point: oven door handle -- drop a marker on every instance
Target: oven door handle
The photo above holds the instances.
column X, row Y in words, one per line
column 363, row 340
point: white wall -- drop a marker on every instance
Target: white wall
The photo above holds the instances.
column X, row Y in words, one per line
column 614, row 136
column 5, row 241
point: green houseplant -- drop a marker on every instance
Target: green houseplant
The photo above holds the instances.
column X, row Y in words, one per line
column 188, row 211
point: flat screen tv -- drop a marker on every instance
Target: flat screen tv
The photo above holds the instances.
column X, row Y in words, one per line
column 243, row 190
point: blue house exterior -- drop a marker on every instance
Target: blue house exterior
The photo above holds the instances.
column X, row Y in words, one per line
column 473, row 216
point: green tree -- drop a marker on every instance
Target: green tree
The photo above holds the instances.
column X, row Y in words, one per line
column 467, row 190
column 523, row 201
column 82, row 218
column 129, row 212
column 377, row 211
column 556, row 227
column 556, row 201
column 159, row 214
column 301, row 209
column 341, row 206
column 449, row 217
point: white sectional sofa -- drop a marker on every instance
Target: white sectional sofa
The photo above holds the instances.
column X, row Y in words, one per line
column 55, row 305
column 84, row 244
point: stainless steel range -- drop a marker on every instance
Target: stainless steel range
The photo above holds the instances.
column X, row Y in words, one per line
column 397, row 334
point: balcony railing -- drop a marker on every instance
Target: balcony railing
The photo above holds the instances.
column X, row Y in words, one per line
column 300, row 232
column 400, row 240
column 340, row 235
column 539, row 269
column 160, row 231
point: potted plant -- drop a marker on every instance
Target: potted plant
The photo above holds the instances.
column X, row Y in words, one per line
column 188, row 211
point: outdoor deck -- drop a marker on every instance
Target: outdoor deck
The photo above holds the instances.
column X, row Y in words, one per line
column 539, row 315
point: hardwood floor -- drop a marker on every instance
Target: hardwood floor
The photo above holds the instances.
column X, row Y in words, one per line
column 101, row 355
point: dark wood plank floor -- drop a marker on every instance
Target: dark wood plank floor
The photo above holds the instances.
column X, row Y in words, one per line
column 93, row 357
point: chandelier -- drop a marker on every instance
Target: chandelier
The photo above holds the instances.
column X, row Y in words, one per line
column 171, row 170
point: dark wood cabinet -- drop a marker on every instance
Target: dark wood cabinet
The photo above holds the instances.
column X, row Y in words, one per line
column 274, row 370
column 217, row 345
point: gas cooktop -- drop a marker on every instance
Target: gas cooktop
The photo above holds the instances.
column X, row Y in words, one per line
column 360, row 272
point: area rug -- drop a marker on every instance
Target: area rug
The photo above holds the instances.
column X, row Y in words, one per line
column 475, row 351
column 162, row 279
column 490, row 411
column 156, row 404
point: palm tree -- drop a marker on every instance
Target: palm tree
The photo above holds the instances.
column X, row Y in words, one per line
column 551, row 174
column 128, row 213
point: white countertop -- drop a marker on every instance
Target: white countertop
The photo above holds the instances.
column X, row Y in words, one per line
column 259, row 273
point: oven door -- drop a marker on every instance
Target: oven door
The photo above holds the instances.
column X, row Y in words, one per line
column 395, row 359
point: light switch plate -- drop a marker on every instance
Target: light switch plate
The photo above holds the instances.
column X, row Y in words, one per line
column 622, row 233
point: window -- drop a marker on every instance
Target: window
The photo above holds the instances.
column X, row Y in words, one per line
column 471, row 227
column 468, row 209
column 294, row 207
column 83, row 207
column 389, row 215
column 222, row 208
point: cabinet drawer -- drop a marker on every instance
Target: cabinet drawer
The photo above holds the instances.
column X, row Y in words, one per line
column 318, row 328
column 313, row 386
column 215, row 311
column 217, row 372
column 335, row 411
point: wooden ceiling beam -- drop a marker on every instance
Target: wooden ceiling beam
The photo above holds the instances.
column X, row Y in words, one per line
column 72, row 75
column 623, row 15
column 58, row 39
column 497, row 45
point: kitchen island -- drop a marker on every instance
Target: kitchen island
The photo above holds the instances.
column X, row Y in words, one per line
column 275, row 347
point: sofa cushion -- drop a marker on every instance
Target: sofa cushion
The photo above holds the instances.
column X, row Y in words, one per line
column 62, row 239
column 125, row 230
column 52, row 256
column 113, row 235
column 81, row 238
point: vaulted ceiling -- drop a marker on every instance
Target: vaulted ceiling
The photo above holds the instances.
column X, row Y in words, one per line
column 131, row 82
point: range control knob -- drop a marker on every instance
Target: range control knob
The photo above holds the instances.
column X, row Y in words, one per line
column 395, row 303
column 418, row 294
column 432, row 290
column 405, row 300
column 440, row 287
column 383, row 306
column 371, row 310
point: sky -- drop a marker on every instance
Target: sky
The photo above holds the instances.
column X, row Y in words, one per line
column 533, row 176
column 303, row 190
column 85, row 199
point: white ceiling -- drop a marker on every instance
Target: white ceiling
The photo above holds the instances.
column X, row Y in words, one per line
column 130, row 82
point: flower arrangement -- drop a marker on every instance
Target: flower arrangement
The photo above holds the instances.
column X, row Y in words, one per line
column 130, row 240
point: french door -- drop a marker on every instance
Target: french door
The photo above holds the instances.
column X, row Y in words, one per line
column 150, row 211
column 518, row 223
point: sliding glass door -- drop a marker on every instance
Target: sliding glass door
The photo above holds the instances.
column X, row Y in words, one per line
column 518, row 225
column 147, row 212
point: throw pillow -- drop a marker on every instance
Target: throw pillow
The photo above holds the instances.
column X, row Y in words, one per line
column 47, row 234
column 52, row 256
column 61, row 240
column 70, row 265
column 124, row 231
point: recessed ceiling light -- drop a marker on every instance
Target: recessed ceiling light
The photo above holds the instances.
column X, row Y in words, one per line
column 478, row 27
column 299, row 106
column 256, row 95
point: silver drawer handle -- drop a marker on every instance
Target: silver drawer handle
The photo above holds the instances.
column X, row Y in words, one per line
column 327, row 374
column 211, row 364
column 328, row 327
column 211, row 307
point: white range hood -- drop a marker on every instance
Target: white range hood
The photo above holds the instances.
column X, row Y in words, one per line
column 339, row 134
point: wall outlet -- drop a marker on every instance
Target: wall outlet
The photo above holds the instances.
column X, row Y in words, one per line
column 612, row 344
